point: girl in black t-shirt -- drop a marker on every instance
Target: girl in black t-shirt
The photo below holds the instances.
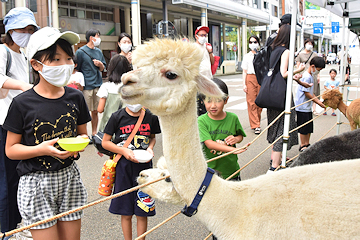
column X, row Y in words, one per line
column 50, row 180
column 120, row 125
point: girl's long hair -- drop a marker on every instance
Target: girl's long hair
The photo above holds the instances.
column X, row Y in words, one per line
column 117, row 67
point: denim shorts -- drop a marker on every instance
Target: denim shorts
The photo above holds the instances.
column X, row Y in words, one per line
column 42, row 195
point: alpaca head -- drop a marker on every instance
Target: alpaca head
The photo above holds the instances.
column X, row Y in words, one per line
column 163, row 190
column 166, row 76
column 332, row 98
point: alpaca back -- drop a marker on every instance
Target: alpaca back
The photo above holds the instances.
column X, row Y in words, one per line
column 335, row 148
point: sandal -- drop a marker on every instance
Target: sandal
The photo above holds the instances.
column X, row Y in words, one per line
column 257, row 131
column 302, row 148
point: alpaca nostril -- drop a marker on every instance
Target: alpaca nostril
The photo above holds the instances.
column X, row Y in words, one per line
column 143, row 175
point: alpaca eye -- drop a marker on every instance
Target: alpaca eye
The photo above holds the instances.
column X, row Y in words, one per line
column 170, row 75
column 168, row 179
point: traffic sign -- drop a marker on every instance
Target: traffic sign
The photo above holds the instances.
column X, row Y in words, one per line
column 234, row 48
column 334, row 27
column 318, row 28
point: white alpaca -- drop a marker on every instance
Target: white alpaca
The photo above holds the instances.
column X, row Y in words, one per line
column 163, row 190
column 310, row 202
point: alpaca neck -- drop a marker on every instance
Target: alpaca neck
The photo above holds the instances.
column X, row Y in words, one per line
column 183, row 151
column 342, row 107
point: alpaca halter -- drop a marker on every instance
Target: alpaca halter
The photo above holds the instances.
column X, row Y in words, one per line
column 192, row 209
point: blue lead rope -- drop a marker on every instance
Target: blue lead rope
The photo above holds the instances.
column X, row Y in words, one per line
column 192, row 209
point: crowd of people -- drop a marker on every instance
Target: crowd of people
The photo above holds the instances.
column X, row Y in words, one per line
column 39, row 180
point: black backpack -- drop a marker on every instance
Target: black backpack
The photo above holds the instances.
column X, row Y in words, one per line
column 262, row 58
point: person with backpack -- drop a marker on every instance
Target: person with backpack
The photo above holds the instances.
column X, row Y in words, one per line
column 251, row 86
column 19, row 24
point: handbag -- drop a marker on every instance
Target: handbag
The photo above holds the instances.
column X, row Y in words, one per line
column 97, row 140
column 272, row 93
column 108, row 172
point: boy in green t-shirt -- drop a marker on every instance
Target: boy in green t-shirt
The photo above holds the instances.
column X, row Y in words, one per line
column 219, row 132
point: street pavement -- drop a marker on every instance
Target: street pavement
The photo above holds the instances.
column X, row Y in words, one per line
column 98, row 223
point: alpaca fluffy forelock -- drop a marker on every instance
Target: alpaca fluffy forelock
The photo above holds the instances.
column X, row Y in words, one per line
column 155, row 58
column 332, row 98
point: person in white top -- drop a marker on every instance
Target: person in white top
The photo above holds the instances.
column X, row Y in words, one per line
column 201, row 34
column 19, row 25
column 125, row 46
column 77, row 78
column 251, row 86
column 108, row 93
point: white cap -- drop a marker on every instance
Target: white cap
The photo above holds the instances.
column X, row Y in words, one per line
column 47, row 36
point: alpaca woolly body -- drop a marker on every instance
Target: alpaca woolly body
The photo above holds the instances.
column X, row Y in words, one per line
column 265, row 207
column 335, row 148
column 333, row 98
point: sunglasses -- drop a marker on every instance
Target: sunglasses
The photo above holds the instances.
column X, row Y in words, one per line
column 253, row 42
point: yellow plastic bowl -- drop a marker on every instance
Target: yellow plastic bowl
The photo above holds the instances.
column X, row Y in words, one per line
column 73, row 144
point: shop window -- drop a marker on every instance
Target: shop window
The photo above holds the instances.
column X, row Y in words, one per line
column 110, row 17
column 81, row 5
column 63, row 3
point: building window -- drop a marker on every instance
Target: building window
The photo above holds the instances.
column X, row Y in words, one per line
column 89, row 15
column 81, row 14
column 85, row 11
column 73, row 12
column 33, row 6
column 63, row 12
column 257, row 4
column 97, row 15
column 266, row 5
column 275, row 11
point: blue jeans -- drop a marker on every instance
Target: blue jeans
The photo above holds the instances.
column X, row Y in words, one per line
column 9, row 180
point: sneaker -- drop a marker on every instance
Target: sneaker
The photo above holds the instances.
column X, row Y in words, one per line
column 333, row 114
column 257, row 131
column 271, row 170
column 91, row 139
column 324, row 113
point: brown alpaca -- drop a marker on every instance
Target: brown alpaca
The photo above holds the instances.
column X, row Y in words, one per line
column 333, row 98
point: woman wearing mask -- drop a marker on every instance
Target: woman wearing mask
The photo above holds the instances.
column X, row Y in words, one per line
column 14, row 79
column 125, row 46
column 305, row 56
column 251, row 86
column 280, row 48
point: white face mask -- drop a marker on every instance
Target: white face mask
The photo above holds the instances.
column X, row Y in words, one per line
column 58, row 76
column 202, row 40
column 309, row 47
column 125, row 47
column 134, row 108
column 97, row 42
column 21, row 39
column 253, row 46
column 314, row 72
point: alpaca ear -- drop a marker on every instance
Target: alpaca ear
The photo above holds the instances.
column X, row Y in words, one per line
column 208, row 87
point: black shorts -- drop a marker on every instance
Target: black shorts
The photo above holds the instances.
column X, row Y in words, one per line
column 303, row 117
column 135, row 203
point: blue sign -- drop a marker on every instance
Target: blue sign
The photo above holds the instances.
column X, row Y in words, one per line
column 334, row 27
column 318, row 28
